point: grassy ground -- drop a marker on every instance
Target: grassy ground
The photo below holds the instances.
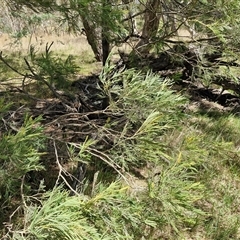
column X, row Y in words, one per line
column 64, row 45
column 197, row 195
column 211, row 140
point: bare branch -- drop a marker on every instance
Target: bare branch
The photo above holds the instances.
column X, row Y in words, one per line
column 62, row 170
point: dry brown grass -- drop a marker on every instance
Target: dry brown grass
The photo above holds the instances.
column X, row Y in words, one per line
column 64, row 45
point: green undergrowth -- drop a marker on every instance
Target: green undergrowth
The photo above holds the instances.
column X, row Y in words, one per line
column 189, row 184
column 62, row 66
column 15, row 60
column 211, row 142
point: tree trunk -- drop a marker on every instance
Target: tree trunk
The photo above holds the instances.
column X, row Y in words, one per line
column 105, row 49
column 150, row 27
column 105, row 31
column 93, row 37
column 131, row 22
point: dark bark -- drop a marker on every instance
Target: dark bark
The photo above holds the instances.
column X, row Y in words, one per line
column 93, row 37
column 105, row 50
column 105, row 31
column 150, row 27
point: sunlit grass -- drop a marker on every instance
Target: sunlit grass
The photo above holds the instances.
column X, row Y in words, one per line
column 63, row 46
column 212, row 142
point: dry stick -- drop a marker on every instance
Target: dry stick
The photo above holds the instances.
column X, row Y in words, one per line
column 22, row 195
column 110, row 113
column 95, row 177
column 9, row 125
column 191, row 41
column 23, row 199
column 9, row 225
column 61, row 169
column 6, row 123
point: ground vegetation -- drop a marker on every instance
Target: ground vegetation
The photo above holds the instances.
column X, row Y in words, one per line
column 145, row 146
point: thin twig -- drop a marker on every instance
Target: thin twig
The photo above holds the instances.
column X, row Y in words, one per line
column 22, row 194
column 61, row 169
column 95, row 177
column 23, row 198
column 191, row 41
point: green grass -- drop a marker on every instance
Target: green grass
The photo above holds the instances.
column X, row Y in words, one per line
column 212, row 143
column 15, row 60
